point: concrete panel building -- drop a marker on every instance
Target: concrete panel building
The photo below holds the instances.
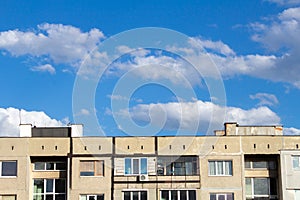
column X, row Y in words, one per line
column 239, row 162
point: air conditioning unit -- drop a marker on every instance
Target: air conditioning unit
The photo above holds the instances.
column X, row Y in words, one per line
column 143, row 177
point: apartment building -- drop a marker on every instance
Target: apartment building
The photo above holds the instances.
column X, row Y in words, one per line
column 239, row 162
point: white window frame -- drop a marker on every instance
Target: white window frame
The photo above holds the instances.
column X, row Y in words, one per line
column 90, row 195
column 1, row 176
column 217, row 173
column 260, row 195
column 53, row 193
column 131, row 193
column 178, row 193
column 45, row 166
column 294, row 157
column 140, row 166
column 222, row 194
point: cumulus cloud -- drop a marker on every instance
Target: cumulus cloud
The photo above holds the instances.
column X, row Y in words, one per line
column 213, row 58
column 155, row 66
column 185, row 115
column 44, row 68
column 10, row 120
column 57, row 42
column 282, row 36
column 265, row 99
column 291, row 131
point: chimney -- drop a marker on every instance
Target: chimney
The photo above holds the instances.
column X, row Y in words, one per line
column 231, row 128
column 76, row 130
column 25, row 130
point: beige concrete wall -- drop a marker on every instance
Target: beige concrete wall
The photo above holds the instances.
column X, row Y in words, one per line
column 18, row 185
column 221, row 182
column 92, row 145
column 263, row 144
column 198, row 145
column 90, row 184
column 16, row 149
column 291, row 142
column 135, row 145
column 48, row 146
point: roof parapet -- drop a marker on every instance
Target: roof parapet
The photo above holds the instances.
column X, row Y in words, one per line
column 232, row 128
column 74, row 130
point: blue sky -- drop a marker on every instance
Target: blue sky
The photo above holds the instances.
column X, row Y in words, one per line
column 200, row 64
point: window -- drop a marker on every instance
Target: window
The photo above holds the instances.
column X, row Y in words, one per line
column 220, row 168
column 92, row 168
column 296, row 162
column 177, row 166
column 178, row 195
column 260, row 164
column 53, row 189
column 135, row 195
column 215, row 196
column 8, row 168
column 8, row 197
column 50, row 166
column 261, row 187
column 136, row 166
column 92, row 197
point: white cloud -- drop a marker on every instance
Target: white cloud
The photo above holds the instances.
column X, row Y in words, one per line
column 57, row 43
column 291, row 131
column 282, row 36
column 265, row 99
column 187, row 114
column 60, row 43
column 83, row 112
column 157, row 67
column 215, row 46
column 10, row 120
column 44, row 68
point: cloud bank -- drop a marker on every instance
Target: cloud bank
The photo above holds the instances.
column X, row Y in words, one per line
column 57, row 43
column 10, row 120
column 185, row 115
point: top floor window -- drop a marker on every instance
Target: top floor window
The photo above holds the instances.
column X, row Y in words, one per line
column 50, row 166
column 181, row 166
column 296, row 162
column 249, row 164
column 92, row 168
column 8, row 168
column 136, row 166
column 220, row 168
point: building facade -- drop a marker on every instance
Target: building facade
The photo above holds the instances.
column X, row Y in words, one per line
column 239, row 162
